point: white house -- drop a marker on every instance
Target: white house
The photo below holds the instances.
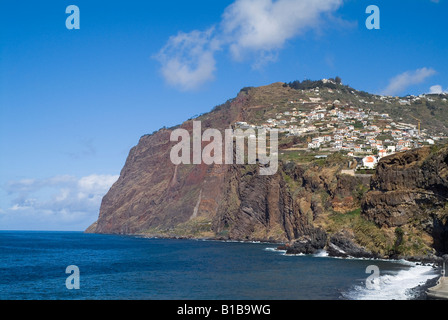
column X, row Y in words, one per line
column 382, row 153
column 370, row 162
column 391, row 149
column 314, row 145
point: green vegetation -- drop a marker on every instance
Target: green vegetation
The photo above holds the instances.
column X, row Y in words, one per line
column 309, row 84
column 358, row 125
column 365, row 171
column 359, row 192
column 384, row 137
column 409, row 242
column 298, row 157
column 336, row 158
column 367, row 233
column 437, row 147
column 246, row 89
column 199, row 227
column 399, row 234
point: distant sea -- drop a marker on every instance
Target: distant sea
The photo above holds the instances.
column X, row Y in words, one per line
column 33, row 266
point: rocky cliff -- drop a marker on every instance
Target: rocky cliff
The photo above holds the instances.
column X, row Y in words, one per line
column 409, row 194
column 155, row 197
column 309, row 206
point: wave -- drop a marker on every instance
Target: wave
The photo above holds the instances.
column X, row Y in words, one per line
column 282, row 252
column 396, row 286
column 321, row 254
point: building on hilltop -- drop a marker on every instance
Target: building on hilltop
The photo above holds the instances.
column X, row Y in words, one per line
column 369, row 162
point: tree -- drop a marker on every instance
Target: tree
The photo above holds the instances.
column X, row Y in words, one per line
column 338, row 80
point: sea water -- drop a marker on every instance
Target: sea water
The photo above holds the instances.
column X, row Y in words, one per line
column 33, row 266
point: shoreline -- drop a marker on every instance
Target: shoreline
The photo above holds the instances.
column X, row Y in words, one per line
column 426, row 260
column 419, row 292
column 415, row 293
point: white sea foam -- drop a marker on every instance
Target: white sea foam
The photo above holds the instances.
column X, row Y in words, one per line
column 283, row 252
column 294, row 254
column 275, row 250
column 394, row 286
column 321, row 254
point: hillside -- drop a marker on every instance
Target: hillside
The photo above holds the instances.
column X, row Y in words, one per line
column 314, row 200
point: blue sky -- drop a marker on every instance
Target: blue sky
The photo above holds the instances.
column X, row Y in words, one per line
column 73, row 102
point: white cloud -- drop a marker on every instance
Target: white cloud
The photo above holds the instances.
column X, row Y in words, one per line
column 265, row 25
column 254, row 28
column 437, row 89
column 188, row 59
column 96, row 183
column 60, row 202
column 16, row 207
column 404, row 80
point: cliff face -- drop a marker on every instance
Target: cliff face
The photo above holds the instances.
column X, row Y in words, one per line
column 409, row 193
column 307, row 205
column 155, row 197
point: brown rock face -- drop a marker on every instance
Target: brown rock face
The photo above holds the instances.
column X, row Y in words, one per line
column 256, row 207
column 155, row 197
column 311, row 202
column 152, row 192
column 411, row 189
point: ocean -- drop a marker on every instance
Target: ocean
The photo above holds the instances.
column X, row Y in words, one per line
column 33, row 267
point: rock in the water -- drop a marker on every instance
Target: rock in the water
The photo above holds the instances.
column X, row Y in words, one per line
column 340, row 245
column 310, row 243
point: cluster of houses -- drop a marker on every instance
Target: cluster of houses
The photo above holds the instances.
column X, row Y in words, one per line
column 406, row 101
column 332, row 127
